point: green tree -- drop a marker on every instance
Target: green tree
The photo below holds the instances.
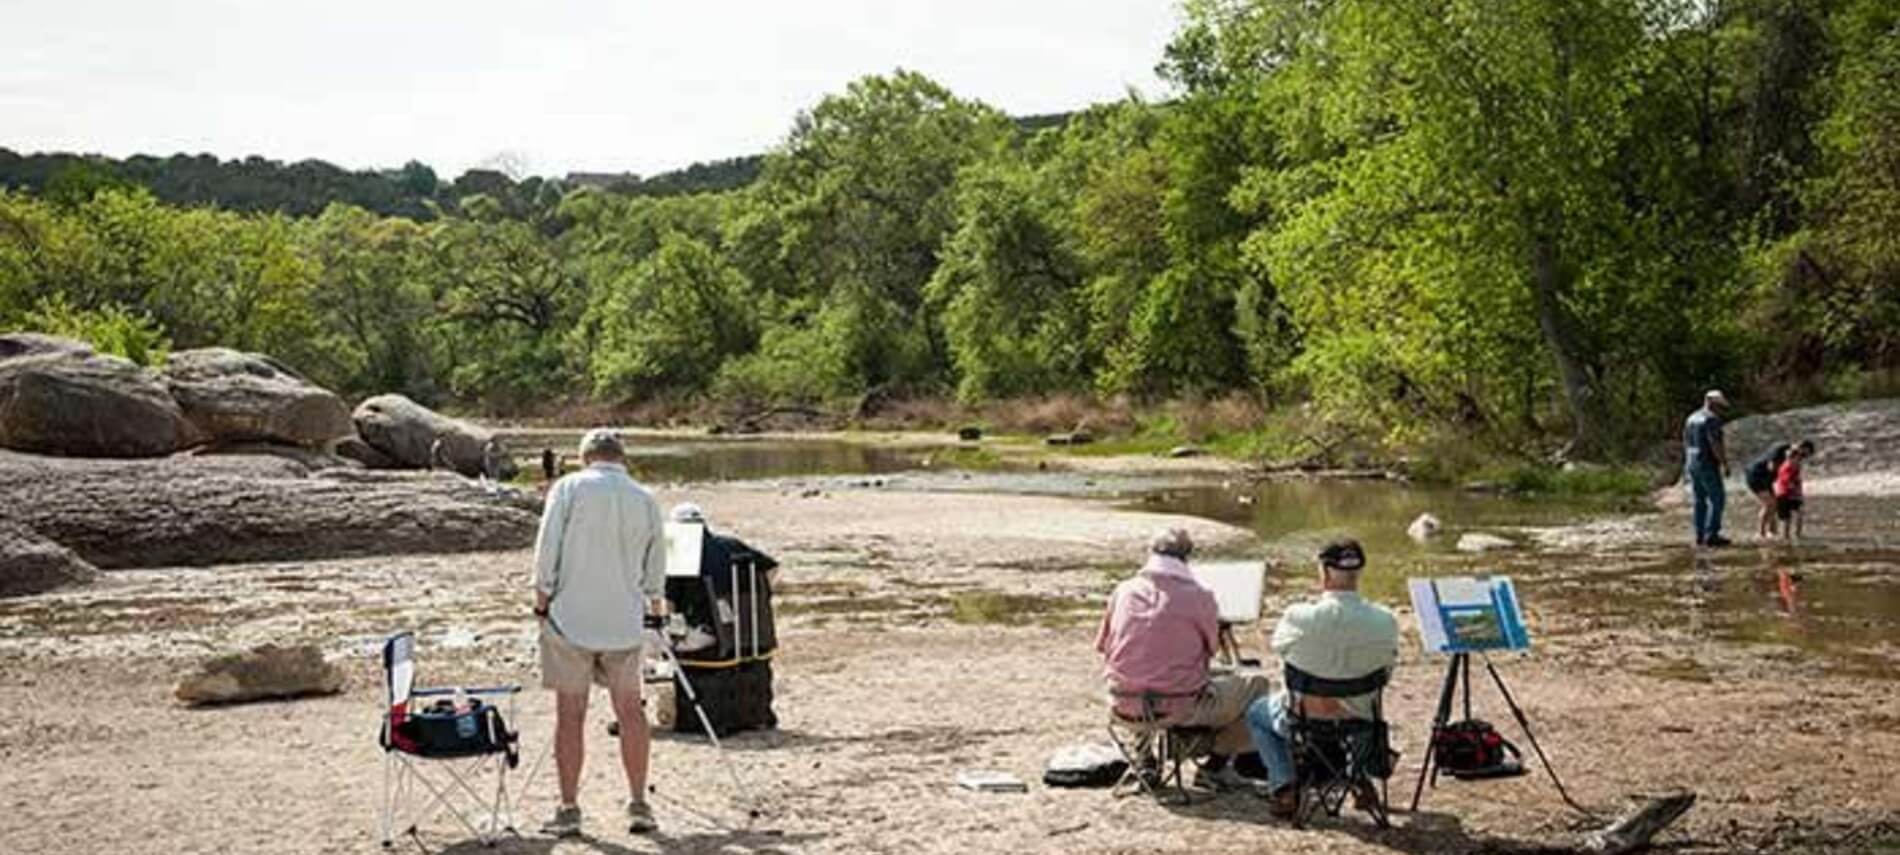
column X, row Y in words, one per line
column 506, row 296
column 1469, row 200
column 1009, row 288
column 374, row 303
column 860, row 199
column 668, row 324
column 112, row 329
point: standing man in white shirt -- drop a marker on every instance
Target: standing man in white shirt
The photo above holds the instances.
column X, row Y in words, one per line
column 1338, row 636
column 599, row 562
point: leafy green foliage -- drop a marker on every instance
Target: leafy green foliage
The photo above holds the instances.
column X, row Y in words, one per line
column 111, row 329
column 669, row 324
column 1495, row 226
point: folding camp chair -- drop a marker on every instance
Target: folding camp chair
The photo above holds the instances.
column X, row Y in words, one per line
column 1156, row 751
column 423, row 728
column 1337, row 758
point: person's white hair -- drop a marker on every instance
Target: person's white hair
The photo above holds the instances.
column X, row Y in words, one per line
column 1172, row 541
column 602, row 442
column 687, row 512
column 1715, row 396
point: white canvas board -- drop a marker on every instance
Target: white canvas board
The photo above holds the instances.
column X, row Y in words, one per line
column 1237, row 587
column 988, row 781
column 1458, row 591
column 1431, row 624
column 683, row 543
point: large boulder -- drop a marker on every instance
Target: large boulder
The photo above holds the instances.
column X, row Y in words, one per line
column 193, row 509
column 354, row 448
column 59, row 397
column 31, row 564
column 268, row 672
column 231, row 396
column 1849, row 438
column 407, row 433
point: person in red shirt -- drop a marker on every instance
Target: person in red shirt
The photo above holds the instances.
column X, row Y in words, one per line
column 1788, row 498
column 1161, row 628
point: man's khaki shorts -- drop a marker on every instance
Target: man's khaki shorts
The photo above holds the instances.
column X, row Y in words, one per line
column 569, row 669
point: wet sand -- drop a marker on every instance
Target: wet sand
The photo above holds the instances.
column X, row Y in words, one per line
column 922, row 634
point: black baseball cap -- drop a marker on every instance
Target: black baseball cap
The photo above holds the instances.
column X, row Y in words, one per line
column 1343, row 554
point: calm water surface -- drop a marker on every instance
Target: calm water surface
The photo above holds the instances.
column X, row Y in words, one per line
column 1836, row 600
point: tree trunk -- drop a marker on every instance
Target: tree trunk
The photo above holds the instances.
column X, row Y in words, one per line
column 1549, row 283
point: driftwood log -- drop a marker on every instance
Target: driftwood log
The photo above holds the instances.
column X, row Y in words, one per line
column 1633, row 831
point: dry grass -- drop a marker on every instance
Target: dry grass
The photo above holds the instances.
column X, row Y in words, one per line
column 1064, row 412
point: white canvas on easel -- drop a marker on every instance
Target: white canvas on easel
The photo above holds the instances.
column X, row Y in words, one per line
column 683, row 543
column 1237, row 587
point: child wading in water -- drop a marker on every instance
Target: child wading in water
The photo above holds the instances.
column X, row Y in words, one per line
column 1788, row 499
column 1760, row 476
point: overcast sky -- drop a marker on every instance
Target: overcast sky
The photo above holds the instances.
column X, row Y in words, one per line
column 636, row 85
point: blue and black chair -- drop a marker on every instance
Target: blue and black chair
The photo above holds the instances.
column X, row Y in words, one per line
column 1340, row 758
column 459, row 732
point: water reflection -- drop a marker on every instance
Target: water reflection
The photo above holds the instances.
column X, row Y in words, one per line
column 671, row 459
column 1838, row 601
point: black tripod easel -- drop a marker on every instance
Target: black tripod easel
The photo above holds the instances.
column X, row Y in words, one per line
column 1458, row 672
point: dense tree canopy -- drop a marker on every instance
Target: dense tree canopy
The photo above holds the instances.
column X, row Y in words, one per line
column 1530, row 222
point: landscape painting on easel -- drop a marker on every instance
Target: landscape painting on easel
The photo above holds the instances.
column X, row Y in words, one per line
column 1464, row 614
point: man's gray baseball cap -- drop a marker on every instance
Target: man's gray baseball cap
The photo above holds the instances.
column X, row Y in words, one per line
column 602, row 442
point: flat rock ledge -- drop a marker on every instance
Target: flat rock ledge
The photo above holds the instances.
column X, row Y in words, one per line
column 202, row 510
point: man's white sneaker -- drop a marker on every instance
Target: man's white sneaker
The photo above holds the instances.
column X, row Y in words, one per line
column 566, row 823
column 640, row 818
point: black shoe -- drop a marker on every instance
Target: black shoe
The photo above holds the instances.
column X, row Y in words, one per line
column 1718, row 542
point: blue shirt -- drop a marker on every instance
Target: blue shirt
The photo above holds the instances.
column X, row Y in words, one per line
column 1700, row 435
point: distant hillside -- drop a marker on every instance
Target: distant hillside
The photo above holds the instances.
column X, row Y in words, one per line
column 1032, row 124
column 306, row 187
column 710, row 177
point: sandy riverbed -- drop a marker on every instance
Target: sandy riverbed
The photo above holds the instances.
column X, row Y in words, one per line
column 923, row 634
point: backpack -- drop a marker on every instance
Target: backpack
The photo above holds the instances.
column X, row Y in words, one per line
column 1474, row 749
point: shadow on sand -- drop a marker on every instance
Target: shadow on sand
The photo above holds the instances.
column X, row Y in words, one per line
column 1421, row 833
column 736, row 842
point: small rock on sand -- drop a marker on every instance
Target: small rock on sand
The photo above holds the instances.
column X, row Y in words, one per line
column 1479, row 542
column 1424, row 528
column 1181, row 451
column 267, row 672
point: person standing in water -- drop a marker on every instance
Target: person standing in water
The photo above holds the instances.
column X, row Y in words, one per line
column 1788, row 492
column 1705, row 465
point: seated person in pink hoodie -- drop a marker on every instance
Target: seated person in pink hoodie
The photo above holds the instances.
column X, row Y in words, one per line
column 1161, row 629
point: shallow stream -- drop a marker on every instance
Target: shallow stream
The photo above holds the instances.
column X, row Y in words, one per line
column 1584, row 568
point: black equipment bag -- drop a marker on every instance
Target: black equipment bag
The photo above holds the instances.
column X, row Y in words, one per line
column 736, row 575
column 439, row 731
column 1085, row 766
column 735, row 698
column 1474, row 749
